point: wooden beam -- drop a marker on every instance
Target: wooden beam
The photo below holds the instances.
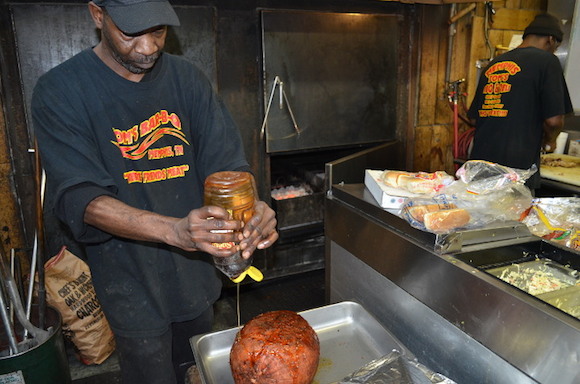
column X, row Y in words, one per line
column 513, row 19
column 16, row 185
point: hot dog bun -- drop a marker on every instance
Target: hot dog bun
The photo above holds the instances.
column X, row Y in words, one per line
column 392, row 178
column 417, row 182
column 446, row 220
column 417, row 212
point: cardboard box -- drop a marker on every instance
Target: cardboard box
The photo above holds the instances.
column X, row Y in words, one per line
column 388, row 198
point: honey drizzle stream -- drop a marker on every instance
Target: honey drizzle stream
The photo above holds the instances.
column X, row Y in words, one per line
column 238, row 303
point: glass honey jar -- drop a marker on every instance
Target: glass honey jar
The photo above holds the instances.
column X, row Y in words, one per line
column 235, row 192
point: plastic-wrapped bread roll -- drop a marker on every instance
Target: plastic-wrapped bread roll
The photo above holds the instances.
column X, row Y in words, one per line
column 393, row 178
column 423, row 183
column 418, row 212
column 446, row 220
column 418, row 182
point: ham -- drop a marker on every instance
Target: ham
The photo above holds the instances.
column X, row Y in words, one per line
column 278, row 347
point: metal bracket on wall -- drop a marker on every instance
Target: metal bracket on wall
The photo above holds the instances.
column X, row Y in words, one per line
column 283, row 100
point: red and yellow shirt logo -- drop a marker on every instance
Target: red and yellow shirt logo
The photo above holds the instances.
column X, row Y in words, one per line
column 139, row 141
column 497, row 84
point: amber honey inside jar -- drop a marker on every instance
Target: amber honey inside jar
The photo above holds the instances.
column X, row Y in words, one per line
column 233, row 191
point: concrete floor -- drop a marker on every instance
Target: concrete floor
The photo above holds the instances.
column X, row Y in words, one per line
column 297, row 293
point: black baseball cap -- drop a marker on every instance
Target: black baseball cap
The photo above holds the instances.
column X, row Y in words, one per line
column 133, row 16
column 545, row 25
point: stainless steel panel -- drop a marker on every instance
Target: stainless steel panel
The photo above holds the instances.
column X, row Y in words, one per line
column 568, row 11
column 349, row 338
column 347, row 169
column 438, row 344
column 338, row 74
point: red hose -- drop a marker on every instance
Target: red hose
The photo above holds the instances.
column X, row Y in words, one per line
column 461, row 142
column 455, row 131
column 464, row 142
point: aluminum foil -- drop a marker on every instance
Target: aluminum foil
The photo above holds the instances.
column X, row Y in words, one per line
column 394, row 368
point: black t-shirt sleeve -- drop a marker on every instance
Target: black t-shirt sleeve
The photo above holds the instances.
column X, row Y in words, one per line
column 555, row 98
column 71, row 210
column 244, row 168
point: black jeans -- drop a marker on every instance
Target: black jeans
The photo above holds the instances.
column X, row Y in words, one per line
column 163, row 359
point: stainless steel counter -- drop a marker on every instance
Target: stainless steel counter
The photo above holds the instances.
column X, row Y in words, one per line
column 456, row 318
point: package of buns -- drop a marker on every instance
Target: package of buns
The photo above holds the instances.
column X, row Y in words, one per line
column 417, row 212
column 417, row 182
column 446, row 220
column 437, row 214
column 391, row 178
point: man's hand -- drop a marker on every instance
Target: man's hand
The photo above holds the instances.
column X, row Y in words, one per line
column 207, row 225
column 197, row 231
column 552, row 128
column 260, row 231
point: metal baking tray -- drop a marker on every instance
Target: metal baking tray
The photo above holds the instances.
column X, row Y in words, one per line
column 349, row 339
column 556, row 275
column 565, row 299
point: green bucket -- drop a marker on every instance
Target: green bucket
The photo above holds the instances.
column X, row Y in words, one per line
column 45, row 363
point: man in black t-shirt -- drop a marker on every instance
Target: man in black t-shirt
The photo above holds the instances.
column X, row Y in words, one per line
column 127, row 136
column 521, row 99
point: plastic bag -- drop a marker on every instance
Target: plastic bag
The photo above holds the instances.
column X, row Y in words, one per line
column 483, row 177
column 70, row 290
column 433, row 214
column 395, row 368
column 556, row 219
column 420, row 183
column 484, row 193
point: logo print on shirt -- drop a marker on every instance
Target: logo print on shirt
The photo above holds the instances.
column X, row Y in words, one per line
column 135, row 143
column 497, row 84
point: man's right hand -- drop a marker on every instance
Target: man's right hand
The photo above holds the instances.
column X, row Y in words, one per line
column 552, row 128
column 197, row 231
column 207, row 225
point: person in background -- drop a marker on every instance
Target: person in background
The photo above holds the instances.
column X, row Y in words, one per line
column 521, row 99
column 127, row 135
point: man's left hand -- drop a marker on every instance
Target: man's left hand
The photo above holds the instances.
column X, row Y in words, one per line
column 260, row 231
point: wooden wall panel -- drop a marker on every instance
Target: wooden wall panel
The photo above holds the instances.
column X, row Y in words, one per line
column 522, row 4
column 10, row 229
column 16, row 180
column 518, row 19
column 428, row 66
column 534, row 4
column 442, row 113
column 434, row 133
column 461, row 49
column 423, row 140
column 432, row 143
column 441, row 156
column 478, row 52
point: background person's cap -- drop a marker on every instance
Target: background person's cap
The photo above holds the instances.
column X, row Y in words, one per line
column 546, row 25
column 133, row 16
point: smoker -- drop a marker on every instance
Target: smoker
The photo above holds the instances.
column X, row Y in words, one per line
column 321, row 103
